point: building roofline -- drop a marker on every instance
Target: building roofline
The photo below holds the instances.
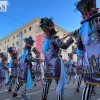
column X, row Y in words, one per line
column 23, row 26
column 20, row 28
column 61, row 29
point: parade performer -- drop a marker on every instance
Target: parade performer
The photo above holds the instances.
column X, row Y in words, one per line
column 91, row 41
column 4, row 72
column 90, row 36
column 25, row 65
column 14, row 66
column 71, row 71
column 80, row 61
column 38, row 67
column 53, row 65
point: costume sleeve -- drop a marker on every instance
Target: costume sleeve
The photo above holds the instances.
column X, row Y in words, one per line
column 35, row 60
column 59, row 43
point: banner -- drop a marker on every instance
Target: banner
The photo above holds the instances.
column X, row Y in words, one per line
column 39, row 43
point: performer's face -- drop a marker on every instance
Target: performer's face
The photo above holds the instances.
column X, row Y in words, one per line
column 29, row 57
column 12, row 53
column 15, row 60
column 47, row 28
column 29, row 45
column 70, row 58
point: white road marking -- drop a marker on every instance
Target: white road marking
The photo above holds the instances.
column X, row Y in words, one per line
column 36, row 92
column 5, row 90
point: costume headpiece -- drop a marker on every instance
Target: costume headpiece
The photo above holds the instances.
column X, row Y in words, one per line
column 47, row 25
column 4, row 56
column 13, row 52
column 29, row 42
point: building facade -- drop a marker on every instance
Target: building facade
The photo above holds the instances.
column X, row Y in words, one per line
column 32, row 28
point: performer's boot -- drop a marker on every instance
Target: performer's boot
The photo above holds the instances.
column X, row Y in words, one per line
column 60, row 97
column 0, row 86
column 35, row 84
column 14, row 95
column 43, row 98
column 9, row 90
column 93, row 92
column 77, row 90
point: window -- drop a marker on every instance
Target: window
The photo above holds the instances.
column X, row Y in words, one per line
column 16, row 43
column 14, row 37
column 24, row 31
column 30, row 28
column 0, row 44
column 5, row 41
column 17, row 35
column 0, row 50
column 8, row 40
column 7, row 47
column 4, row 48
column 13, row 44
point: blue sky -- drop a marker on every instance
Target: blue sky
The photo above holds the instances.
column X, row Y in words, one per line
column 22, row 11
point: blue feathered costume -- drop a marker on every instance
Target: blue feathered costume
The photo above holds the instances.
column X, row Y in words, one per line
column 52, row 62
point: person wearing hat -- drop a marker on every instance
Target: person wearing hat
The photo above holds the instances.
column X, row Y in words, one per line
column 24, row 67
column 4, row 72
column 71, row 68
column 13, row 65
column 38, row 67
column 52, row 61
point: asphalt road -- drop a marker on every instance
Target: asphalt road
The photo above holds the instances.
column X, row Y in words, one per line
column 35, row 93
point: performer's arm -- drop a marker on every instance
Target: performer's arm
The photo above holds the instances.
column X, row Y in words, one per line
column 63, row 45
column 35, row 59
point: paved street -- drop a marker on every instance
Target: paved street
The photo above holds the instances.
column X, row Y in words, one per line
column 35, row 94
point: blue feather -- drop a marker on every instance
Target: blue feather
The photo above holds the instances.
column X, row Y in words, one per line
column 79, row 52
column 82, row 29
column 7, row 76
column 24, row 55
column 45, row 46
column 29, row 84
column 10, row 64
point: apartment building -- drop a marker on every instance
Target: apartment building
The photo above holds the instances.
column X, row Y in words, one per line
column 31, row 28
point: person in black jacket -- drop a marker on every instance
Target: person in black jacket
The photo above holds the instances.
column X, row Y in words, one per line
column 14, row 66
column 52, row 62
column 23, row 65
